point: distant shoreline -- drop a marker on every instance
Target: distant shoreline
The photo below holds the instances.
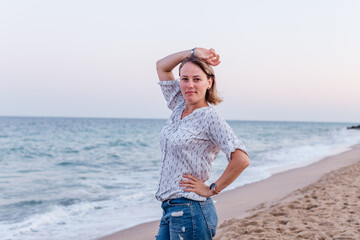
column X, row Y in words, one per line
column 164, row 119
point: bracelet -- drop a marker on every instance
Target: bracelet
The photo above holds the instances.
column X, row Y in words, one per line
column 193, row 52
column 215, row 190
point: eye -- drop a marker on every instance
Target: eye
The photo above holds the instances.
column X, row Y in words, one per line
column 197, row 79
column 184, row 79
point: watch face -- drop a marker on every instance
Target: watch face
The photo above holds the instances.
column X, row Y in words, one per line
column 212, row 186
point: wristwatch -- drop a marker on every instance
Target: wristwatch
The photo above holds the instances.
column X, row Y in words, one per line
column 193, row 52
column 212, row 188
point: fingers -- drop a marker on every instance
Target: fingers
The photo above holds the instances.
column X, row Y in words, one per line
column 187, row 181
column 208, row 55
column 211, row 54
column 196, row 187
column 214, row 61
column 214, row 58
column 188, row 185
column 215, row 64
column 188, row 190
column 190, row 177
column 212, row 51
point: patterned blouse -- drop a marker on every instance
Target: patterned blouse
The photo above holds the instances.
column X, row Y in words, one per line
column 189, row 145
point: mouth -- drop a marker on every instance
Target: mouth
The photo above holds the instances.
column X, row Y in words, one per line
column 190, row 92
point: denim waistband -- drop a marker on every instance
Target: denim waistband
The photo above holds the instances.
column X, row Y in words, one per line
column 178, row 200
column 182, row 200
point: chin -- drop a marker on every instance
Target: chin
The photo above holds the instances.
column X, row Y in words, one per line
column 191, row 101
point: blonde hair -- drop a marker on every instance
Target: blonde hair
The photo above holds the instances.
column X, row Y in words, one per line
column 211, row 95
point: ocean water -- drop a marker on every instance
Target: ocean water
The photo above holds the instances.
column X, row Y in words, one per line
column 82, row 178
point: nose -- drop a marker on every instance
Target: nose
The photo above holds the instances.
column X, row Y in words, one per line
column 190, row 84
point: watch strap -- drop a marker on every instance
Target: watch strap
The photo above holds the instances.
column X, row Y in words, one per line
column 213, row 188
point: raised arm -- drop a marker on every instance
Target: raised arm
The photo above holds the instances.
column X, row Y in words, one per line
column 165, row 65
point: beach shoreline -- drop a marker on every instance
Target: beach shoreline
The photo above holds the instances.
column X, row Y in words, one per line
column 249, row 199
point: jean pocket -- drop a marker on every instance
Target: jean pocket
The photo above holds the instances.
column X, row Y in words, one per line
column 211, row 218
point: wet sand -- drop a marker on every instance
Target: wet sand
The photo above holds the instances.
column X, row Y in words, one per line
column 318, row 201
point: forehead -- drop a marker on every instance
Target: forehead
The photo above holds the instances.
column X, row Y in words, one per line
column 190, row 68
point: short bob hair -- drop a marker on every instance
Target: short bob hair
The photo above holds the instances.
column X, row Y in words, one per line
column 211, row 95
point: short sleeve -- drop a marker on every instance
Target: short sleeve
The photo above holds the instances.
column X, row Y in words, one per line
column 223, row 136
column 172, row 93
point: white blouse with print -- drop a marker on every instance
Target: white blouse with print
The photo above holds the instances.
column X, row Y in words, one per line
column 189, row 145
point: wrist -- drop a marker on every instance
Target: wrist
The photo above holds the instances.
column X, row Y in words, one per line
column 213, row 189
column 211, row 193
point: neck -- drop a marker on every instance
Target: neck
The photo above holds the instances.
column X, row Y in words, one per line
column 191, row 107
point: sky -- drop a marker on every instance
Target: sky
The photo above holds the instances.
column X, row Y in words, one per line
column 280, row 60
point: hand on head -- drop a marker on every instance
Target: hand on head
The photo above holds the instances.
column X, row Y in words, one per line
column 208, row 55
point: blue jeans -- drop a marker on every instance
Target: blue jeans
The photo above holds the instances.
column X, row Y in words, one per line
column 187, row 219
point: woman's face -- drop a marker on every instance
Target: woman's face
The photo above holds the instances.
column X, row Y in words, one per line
column 193, row 83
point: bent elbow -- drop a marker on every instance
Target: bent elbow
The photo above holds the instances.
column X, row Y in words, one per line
column 242, row 158
column 245, row 159
column 246, row 162
column 159, row 65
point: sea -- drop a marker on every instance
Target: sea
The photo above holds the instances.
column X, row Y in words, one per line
column 83, row 178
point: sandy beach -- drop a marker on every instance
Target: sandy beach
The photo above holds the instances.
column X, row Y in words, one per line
column 318, row 201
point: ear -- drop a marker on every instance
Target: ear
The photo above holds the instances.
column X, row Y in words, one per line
column 210, row 79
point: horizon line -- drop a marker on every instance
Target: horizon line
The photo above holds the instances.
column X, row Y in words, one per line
column 134, row 118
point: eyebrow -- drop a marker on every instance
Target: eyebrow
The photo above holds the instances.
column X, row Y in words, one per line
column 193, row 76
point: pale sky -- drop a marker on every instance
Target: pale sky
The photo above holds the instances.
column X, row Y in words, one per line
column 281, row 60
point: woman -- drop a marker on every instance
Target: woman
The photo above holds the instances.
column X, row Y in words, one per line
column 190, row 140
